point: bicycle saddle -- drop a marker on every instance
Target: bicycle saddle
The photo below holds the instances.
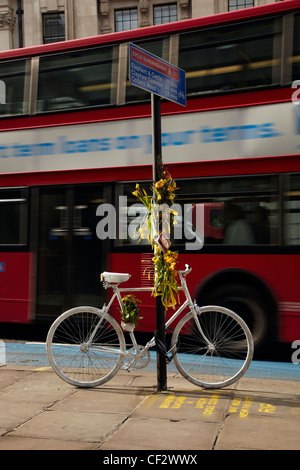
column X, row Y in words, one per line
column 114, row 277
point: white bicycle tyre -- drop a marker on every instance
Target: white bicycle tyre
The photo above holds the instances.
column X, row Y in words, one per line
column 114, row 329
column 183, row 366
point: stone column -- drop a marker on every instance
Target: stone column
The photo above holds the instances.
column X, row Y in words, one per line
column 144, row 8
column 7, row 23
column 70, row 19
column 106, row 20
column 184, row 9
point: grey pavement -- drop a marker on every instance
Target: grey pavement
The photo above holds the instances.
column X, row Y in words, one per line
column 38, row 411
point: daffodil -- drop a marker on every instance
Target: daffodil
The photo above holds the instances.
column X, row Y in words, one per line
column 160, row 184
column 165, row 278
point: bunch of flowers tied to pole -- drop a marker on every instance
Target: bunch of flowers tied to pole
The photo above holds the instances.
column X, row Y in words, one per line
column 156, row 227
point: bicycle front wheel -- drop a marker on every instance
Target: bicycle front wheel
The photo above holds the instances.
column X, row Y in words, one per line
column 85, row 347
column 214, row 348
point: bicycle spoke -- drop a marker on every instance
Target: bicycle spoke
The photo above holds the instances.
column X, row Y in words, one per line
column 214, row 351
column 74, row 358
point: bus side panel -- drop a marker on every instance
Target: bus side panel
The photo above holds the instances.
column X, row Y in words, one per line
column 15, row 269
column 278, row 273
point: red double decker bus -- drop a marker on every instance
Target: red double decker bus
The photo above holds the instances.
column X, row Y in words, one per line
column 76, row 136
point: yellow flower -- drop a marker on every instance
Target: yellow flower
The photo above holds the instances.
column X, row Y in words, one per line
column 165, row 273
column 160, row 184
column 172, row 186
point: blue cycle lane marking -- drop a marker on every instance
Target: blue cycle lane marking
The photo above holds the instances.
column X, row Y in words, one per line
column 34, row 355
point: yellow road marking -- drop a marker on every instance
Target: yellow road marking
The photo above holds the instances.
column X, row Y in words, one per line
column 167, row 401
column 240, row 406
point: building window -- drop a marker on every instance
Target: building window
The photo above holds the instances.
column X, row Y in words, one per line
column 239, row 4
column 126, row 19
column 165, row 13
column 53, row 27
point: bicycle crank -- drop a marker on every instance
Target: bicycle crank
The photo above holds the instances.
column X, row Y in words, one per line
column 137, row 359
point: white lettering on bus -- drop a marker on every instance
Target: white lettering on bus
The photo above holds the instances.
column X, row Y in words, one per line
column 206, row 134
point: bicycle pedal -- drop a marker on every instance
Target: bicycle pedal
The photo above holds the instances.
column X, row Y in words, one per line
column 127, row 368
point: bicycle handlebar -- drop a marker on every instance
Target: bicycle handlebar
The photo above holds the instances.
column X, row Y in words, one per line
column 186, row 271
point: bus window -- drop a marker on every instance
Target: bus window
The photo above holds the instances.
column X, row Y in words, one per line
column 228, row 58
column 130, row 214
column 292, row 212
column 296, row 49
column 237, row 211
column 13, row 216
column 73, row 80
column 12, row 80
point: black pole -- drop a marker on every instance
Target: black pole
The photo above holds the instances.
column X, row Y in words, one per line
column 156, row 138
column 160, row 312
column 20, row 12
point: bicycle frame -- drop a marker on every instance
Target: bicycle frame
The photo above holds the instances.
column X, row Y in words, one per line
column 117, row 294
column 219, row 362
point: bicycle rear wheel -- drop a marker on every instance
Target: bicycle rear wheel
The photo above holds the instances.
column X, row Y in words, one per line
column 213, row 351
column 77, row 360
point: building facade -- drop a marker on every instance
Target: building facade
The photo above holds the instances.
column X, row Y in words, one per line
column 26, row 23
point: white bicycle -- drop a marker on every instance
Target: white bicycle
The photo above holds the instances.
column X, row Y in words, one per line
column 212, row 346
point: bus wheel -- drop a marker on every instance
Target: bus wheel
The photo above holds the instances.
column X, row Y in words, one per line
column 248, row 304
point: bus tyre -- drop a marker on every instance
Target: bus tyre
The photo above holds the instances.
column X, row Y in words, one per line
column 247, row 302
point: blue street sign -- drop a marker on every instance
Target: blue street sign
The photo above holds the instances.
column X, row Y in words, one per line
column 155, row 75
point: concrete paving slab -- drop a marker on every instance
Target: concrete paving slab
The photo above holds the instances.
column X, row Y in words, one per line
column 8, row 377
column 122, row 378
column 36, row 388
column 243, row 406
column 256, row 433
column 28, row 443
column 99, row 400
column 162, row 434
column 40, row 411
column 269, row 398
column 204, row 406
column 13, row 414
column 270, row 386
column 3, row 430
column 70, row 426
